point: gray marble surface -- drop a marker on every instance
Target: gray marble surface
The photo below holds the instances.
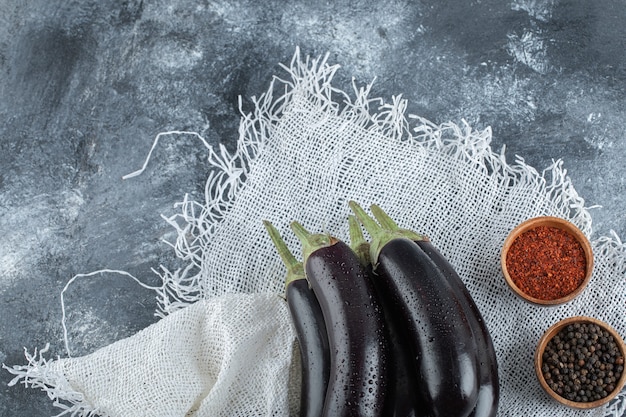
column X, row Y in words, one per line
column 86, row 85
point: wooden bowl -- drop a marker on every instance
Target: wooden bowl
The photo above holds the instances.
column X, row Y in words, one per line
column 549, row 222
column 553, row 331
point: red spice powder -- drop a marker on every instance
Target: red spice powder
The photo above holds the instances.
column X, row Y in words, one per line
column 546, row 263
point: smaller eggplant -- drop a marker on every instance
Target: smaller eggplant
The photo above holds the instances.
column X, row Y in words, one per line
column 357, row 336
column 310, row 328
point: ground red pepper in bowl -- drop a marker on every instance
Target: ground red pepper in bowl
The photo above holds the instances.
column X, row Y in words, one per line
column 547, row 260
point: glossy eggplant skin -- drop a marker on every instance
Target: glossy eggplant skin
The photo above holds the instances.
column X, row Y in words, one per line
column 357, row 335
column 402, row 400
column 310, row 328
column 489, row 390
column 433, row 321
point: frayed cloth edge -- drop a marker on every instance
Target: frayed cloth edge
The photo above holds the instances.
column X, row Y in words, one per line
column 46, row 375
column 310, row 80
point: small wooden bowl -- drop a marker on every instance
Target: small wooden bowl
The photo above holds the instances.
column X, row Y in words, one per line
column 549, row 222
column 541, row 346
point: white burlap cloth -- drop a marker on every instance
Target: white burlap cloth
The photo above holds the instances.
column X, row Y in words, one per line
column 225, row 346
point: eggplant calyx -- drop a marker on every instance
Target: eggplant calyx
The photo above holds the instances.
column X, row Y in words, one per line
column 381, row 233
column 295, row 270
column 359, row 245
column 311, row 242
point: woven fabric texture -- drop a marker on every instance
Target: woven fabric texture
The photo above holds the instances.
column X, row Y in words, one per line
column 304, row 152
column 234, row 355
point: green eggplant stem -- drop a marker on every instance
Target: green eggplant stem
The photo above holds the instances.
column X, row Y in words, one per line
column 357, row 241
column 381, row 233
column 383, row 218
column 295, row 270
column 310, row 242
column 370, row 225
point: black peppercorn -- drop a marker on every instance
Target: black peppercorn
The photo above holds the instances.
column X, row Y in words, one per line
column 582, row 362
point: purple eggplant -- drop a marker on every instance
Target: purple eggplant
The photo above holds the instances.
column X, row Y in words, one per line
column 430, row 317
column 489, row 390
column 401, row 398
column 310, row 328
column 359, row 345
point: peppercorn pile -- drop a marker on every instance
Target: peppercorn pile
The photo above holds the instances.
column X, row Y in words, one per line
column 582, row 362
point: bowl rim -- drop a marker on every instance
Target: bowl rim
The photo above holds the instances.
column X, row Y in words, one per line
column 549, row 334
column 562, row 224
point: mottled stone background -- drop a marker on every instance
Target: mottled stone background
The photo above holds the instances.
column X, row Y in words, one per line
column 86, row 85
